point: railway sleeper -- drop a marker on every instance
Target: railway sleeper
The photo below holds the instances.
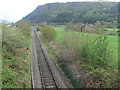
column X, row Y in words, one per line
column 45, row 69
column 49, row 84
column 50, row 81
column 47, row 76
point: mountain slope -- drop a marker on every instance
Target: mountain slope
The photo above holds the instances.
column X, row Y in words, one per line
column 87, row 12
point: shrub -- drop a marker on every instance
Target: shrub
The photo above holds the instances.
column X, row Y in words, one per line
column 75, row 46
column 38, row 29
column 24, row 26
column 48, row 32
column 100, row 53
column 90, row 49
column 12, row 39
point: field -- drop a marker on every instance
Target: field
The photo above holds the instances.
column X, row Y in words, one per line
column 59, row 33
column 112, row 29
column 113, row 42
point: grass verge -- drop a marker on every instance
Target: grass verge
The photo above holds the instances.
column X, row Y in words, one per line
column 16, row 60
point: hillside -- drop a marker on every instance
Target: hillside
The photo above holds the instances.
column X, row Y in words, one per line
column 87, row 12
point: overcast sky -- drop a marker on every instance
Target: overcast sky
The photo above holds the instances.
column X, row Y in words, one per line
column 14, row 10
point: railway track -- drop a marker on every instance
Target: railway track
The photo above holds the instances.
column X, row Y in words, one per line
column 49, row 75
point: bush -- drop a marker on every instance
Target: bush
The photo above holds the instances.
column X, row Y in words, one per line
column 25, row 28
column 38, row 29
column 48, row 32
column 100, row 53
column 12, row 39
column 75, row 46
column 91, row 49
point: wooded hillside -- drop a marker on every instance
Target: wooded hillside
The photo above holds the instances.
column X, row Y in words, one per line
column 86, row 12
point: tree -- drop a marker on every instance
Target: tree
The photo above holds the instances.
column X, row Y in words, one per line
column 48, row 32
column 24, row 26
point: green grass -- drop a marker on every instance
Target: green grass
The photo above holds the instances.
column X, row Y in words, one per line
column 59, row 33
column 112, row 29
column 16, row 60
column 113, row 42
column 58, row 26
column 114, row 47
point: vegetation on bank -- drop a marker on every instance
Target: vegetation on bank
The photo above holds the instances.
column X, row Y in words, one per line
column 92, row 46
column 76, row 83
column 97, row 53
column 16, row 55
column 93, row 53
